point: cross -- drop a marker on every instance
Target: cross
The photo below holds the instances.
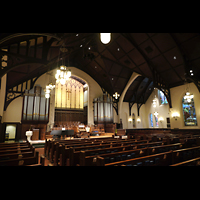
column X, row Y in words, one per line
column 68, row 91
column 116, row 95
column 156, row 114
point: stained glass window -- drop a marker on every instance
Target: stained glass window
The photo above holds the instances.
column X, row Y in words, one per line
column 163, row 99
column 151, row 120
column 156, row 119
column 189, row 112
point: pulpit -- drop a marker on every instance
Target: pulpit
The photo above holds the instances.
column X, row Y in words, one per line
column 35, row 135
column 28, row 135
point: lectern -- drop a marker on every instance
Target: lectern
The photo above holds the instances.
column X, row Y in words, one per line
column 35, row 135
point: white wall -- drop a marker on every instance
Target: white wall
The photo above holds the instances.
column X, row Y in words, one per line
column 177, row 94
column 144, row 112
column 163, row 111
column 13, row 112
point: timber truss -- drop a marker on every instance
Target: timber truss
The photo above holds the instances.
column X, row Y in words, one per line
column 28, row 54
column 158, row 82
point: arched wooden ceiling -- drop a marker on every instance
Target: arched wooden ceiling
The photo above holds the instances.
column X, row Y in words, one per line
column 163, row 60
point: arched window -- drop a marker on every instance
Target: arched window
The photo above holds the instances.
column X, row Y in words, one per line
column 189, row 112
column 162, row 97
column 151, row 119
column 133, row 119
column 156, row 119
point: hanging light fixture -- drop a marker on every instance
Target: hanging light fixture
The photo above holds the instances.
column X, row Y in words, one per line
column 63, row 74
column 116, row 95
column 105, row 37
column 188, row 97
column 51, row 86
column 47, row 92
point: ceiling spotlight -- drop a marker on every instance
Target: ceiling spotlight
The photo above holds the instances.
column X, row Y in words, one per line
column 118, row 49
column 191, row 71
column 105, row 37
column 81, row 45
column 76, row 34
column 174, row 57
column 89, row 48
column 192, row 74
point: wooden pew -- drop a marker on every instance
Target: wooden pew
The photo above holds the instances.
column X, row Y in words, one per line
column 12, row 154
column 11, row 151
column 91, row 160
column 2, row 145
column 185, row 154
column 16, row 155
column 162, row 159
column 21, row 161
column 49, row 145
column 74, row 153
column 55, row 149
column 67, row 151
column 13, row 148
column 192, row 162
column 42, row 162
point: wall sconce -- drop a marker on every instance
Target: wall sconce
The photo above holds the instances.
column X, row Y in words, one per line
column 138, row 120
column 130, row 119
column 175, row 115
column 161, row 119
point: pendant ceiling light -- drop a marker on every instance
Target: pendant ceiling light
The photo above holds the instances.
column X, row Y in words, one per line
column 105, row 37
column 116, row 95
column 48, row 90
column 188, row 97
column 63, row 74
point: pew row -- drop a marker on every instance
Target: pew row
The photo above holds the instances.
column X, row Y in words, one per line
column 90, row 160
column 123, row 155
column 18, row 154
column 162, row 159
column 69, row 151
column 73, row 154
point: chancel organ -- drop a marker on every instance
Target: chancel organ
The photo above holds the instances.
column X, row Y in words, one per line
column 103, row 110
column 35, row 105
